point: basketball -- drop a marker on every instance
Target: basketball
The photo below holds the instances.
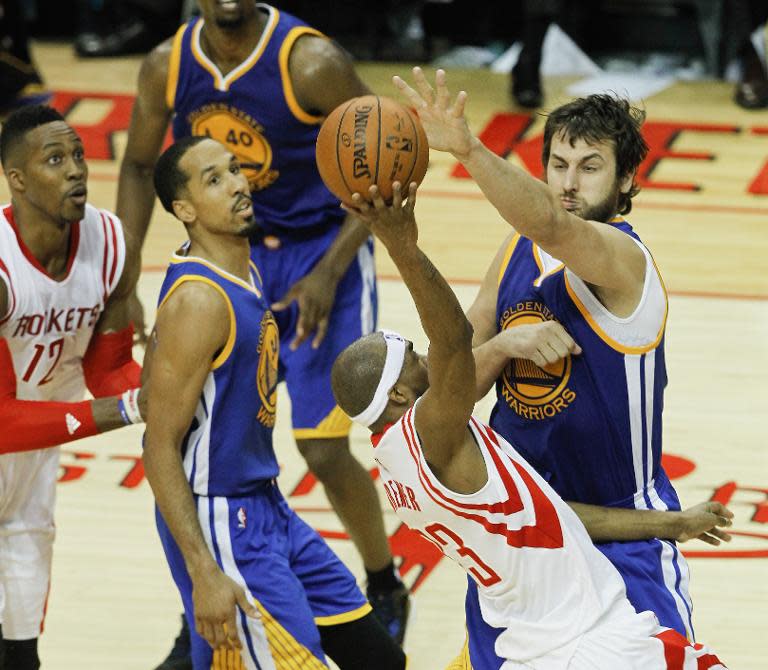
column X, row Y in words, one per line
column 371, row 140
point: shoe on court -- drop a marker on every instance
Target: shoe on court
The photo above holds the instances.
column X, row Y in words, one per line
column 392, row 608
column 180, row 657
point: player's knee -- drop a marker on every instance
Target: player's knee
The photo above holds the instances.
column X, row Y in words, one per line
column 21, row 655
column 326, row 458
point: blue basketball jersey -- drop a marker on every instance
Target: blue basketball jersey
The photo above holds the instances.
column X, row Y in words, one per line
column 590, row 424
column 228, row 450
column 253, row 111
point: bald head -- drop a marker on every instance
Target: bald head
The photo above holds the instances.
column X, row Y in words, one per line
column 357, row 371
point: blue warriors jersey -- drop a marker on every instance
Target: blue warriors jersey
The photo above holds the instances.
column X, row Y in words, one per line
column 591, row 424
column 254, row 112
column 227, row 450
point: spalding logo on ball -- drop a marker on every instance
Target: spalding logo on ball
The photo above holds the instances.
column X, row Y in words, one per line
column 371, row 140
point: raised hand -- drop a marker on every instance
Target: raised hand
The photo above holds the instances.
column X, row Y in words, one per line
column 443, row 121
column 395, row 224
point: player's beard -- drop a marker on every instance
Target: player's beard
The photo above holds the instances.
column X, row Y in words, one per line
column 251, row 226
column 230, row 23
column 604, row 210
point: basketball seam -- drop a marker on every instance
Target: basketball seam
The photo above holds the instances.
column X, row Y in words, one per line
column 415, row 155
column 378, row 142
column 336, row 143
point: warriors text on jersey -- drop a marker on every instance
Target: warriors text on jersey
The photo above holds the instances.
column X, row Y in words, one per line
column 591, row 424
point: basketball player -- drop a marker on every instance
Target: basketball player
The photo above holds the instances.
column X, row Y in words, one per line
column 63, row 328
column 261, row 82
column 253, row 577
column 541, row 596
column 588, row 419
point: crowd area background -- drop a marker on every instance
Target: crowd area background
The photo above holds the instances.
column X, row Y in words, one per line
column 688, row 38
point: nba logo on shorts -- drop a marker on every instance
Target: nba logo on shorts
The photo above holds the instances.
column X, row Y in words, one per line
column 241, row 518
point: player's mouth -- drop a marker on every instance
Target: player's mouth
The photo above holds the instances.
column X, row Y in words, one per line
column 244, row 206
column 570, row 204
column 78, row 194
column 228, row 5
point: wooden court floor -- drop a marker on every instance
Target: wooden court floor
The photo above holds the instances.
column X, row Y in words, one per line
column 704, row 214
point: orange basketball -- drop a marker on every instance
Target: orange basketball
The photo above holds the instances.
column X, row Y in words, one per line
column 371, row 140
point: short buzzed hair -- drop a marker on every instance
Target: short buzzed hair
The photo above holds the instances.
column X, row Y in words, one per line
column 169, row 178
column 356, row 373
column 18, row 124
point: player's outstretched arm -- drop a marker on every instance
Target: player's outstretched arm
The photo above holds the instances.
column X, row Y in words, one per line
column 445, row 408
column 610, row 524
column 182, row 351
column 597, row 253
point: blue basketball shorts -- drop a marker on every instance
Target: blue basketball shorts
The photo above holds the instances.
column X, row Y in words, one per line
column 656, row 576
column 291, row 575
column 655, row 572
column 283, row 259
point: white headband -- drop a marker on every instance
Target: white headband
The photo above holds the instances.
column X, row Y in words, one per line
column 389, row 376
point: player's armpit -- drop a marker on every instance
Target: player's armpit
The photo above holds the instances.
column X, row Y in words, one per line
column 482, row 312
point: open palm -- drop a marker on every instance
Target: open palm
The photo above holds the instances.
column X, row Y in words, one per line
column 443, row 121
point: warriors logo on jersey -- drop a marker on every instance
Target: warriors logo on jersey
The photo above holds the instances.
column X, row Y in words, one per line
column 242, row 135
column 266, row 374
column 531, row 391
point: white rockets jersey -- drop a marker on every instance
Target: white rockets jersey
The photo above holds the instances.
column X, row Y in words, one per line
column 538, row 575
column 49, row 322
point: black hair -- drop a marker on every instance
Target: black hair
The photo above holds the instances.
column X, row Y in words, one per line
column 169, row 178
column 597, row 118
column 18, row 124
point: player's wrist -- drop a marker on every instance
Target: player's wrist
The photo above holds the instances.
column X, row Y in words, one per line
column 128, row 406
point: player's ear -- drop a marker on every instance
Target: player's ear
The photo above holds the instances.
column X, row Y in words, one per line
column 625, row 183
column 16, row 179
column 399, row 394
column 184, row 211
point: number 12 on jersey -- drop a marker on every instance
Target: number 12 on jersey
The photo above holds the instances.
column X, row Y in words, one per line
column 54, row 354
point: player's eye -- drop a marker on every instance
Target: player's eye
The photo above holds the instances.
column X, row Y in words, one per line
column 79, row 154
column 235, row 168
column 214, row 180
column 55, row 159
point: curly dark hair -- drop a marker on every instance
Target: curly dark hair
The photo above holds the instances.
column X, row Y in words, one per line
column 597, row 118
